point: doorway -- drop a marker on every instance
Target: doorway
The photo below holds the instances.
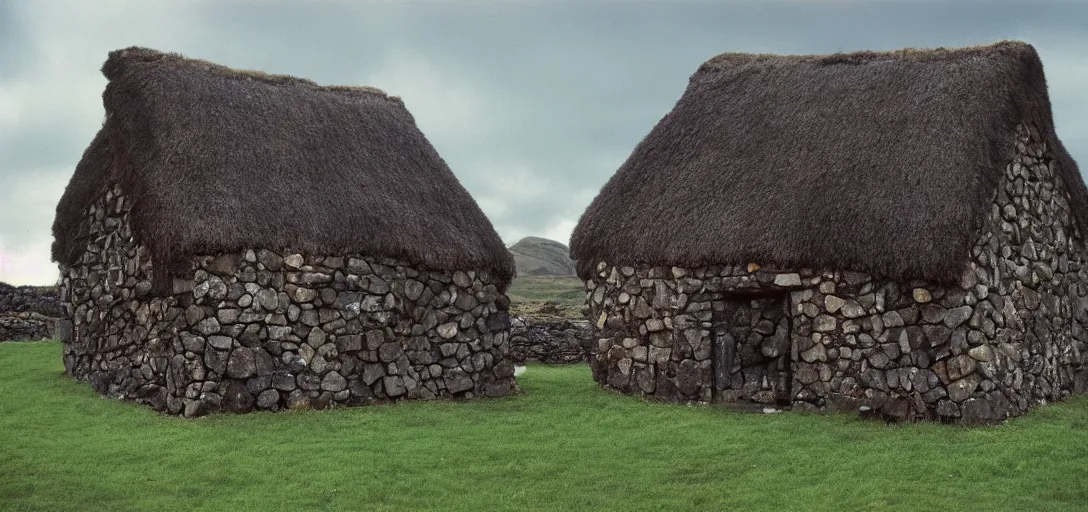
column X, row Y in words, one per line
column 750, row 358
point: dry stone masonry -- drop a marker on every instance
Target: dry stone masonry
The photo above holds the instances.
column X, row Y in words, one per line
column 550, row 340
column 1010, row 335
column 28, row 313
column 267, row 331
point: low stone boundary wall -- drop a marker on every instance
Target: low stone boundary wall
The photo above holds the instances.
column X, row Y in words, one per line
column 28, row 313
column 35, row 299
column 550, row 340
column 26, row 327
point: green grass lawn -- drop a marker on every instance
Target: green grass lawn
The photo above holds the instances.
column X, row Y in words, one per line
column 563, row 289
column 563, row 444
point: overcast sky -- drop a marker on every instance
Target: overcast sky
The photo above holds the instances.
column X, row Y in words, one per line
column 533, row 104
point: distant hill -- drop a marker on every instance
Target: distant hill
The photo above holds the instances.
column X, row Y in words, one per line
column 536, row 256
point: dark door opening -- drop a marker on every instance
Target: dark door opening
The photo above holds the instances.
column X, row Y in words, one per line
column 750, row 360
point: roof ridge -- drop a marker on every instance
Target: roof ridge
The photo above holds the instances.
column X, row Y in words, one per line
column 118, row 60
column 729, row 60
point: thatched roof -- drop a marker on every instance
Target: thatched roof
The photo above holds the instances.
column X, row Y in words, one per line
column 215, row 159
column 877, row 162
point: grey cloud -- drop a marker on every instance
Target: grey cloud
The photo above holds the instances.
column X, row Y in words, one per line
column 554, row 95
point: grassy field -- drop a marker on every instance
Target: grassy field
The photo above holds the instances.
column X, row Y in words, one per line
column 547, row 295
column 563, row 444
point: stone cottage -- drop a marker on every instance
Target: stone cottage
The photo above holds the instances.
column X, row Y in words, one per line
column 233, row 240
column 900, row 233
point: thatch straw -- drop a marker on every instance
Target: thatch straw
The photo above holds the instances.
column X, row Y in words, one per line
column 215, row 159
column 877, row 162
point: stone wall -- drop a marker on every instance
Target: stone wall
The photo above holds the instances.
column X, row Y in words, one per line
column 28, row 313
column 260, row 330
column 26, row 327
column 550, row 340
column 29, row 299
column 1009, row 335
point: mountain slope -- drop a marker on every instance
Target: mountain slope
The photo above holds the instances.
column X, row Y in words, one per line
column 536, row 256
